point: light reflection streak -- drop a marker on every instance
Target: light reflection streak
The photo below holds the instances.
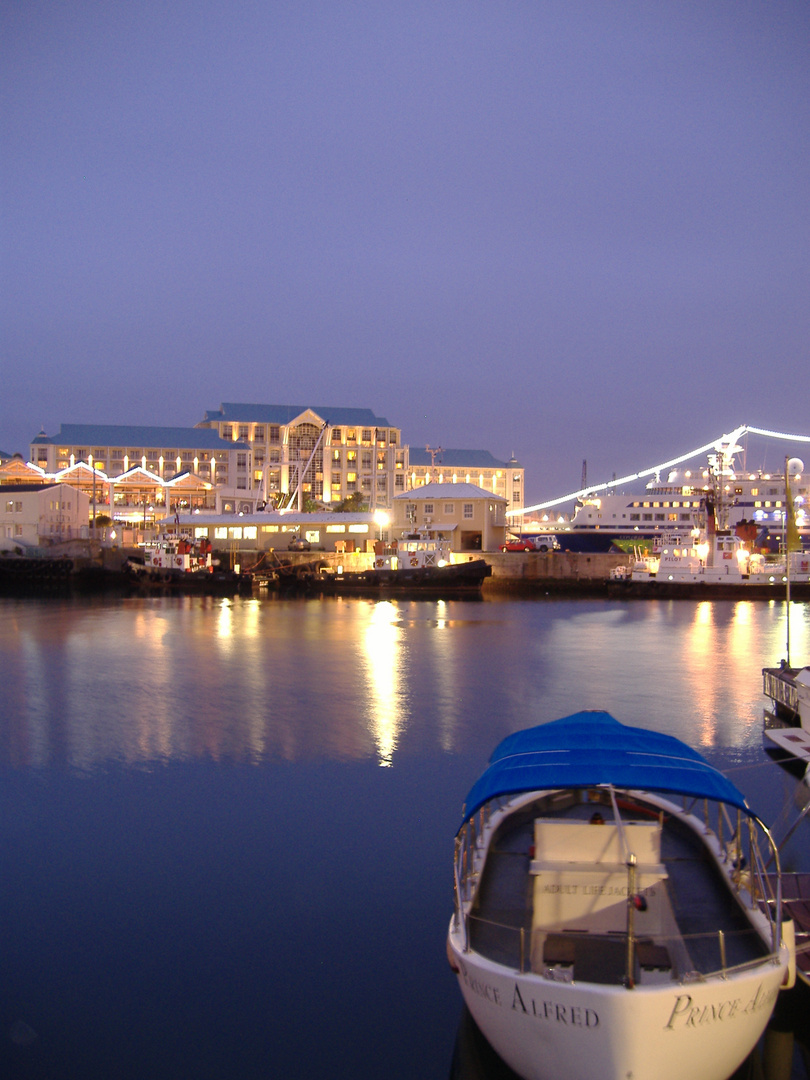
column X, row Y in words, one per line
column 448, row 695
column 382, row 661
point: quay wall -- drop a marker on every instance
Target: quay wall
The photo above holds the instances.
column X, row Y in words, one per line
column 553, row 571
column 512, row 571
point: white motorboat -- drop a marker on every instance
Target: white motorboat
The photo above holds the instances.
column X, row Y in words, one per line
column 608, row 922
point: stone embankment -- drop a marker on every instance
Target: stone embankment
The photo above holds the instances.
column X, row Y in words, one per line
column 552, row 572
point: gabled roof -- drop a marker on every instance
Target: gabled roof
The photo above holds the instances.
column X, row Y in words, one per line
column 589, row 749
column 448, row 491
column 124, row 435
column 138, row 473
column 236, row 413
column 458, row 459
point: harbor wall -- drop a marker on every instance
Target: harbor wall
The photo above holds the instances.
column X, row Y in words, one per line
column 553, row 571
column 521, row 571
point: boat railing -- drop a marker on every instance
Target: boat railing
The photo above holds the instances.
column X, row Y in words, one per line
column 684, row 958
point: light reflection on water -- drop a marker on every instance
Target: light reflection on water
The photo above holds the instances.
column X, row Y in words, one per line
column 171, row 679
column 206, row 870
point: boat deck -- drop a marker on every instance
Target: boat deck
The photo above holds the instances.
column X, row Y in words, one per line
column 563, row 934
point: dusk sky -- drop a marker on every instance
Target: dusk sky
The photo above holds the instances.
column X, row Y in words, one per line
column 568, row 229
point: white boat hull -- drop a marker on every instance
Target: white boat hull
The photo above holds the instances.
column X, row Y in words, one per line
column 544, row 1030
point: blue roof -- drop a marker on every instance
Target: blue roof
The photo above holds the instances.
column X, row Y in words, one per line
column 125, row 435
column 461, row 459
column 592, row 748
column 285, row 414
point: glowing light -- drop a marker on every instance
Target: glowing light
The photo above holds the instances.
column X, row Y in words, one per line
column 724, row 442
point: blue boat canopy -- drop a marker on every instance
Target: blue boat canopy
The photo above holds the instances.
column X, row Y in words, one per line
column 592, row 748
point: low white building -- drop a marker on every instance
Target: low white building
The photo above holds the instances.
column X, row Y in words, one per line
column 40, row 514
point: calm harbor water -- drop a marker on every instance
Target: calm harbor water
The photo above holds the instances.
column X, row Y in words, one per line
column 226, row 826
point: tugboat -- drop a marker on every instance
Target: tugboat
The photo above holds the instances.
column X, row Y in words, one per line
column 420, row 564
column 177, row 564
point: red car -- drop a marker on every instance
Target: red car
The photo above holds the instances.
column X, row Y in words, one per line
column 532, row 543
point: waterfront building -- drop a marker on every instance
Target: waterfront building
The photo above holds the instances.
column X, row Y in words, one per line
column 479, row 467
column 323, row 530
column 474, row 519
column 14, row 470
column 165, row 452
column 302, row 453
column 36, row 514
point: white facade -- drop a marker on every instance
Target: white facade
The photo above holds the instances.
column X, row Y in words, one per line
column 42, row 514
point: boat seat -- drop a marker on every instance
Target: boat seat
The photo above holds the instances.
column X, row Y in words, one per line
column 596, row 958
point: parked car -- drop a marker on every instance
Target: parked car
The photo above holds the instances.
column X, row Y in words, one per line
column 298, row 543
column 541, row 542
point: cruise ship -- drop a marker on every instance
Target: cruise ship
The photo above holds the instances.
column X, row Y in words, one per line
column 739, row 499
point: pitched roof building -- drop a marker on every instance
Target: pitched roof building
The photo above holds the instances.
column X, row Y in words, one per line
column 479, row 467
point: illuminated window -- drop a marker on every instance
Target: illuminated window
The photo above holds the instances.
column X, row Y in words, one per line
column 250, row 532
column 234, row 532
column 201, row 530
column 220, row 532
column 358, row 528
column 336, row 528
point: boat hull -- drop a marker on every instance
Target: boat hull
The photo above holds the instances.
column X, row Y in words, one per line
column 544, row 1030
column 457, row 578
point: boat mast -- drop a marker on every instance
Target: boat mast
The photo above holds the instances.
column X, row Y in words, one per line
column 786, row 528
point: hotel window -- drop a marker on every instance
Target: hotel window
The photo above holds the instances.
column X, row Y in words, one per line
column 10, row 506
column 635, row 517
column 227, row 431
column 428, row 509
column 187, row 455
column 468, row 510
column 366, row 461
column 18, row 507
column 241, row 461
column 660, row 517
column 449, row 508
column 274, row 435
column 399, row 482
column 366, row 435
column 258, row 433
column 351, row 437
column 244, row 431
column 646, row 517
column 337, row 435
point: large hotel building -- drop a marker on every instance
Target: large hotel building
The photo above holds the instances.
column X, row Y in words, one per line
column 262, row 453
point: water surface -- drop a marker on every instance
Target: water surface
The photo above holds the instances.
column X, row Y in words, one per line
column 226, row 826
